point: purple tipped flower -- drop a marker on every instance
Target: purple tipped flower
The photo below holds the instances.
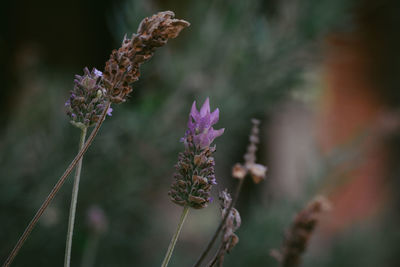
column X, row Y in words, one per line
column 195, row 173
column 200, row 124
column 87, row 100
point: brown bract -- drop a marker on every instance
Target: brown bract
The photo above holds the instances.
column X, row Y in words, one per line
column 194, row 178
column 122, row 69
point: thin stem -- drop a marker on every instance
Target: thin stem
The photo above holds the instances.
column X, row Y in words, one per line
column 55, row 189
column 214, row 238
column 175, row 237
column 215, row 258
column 74, row 199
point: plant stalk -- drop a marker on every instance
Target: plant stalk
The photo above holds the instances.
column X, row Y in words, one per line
column 214, row 238
column 215, row 258
column 74, row 199
column 55, row 189
column 175, row 237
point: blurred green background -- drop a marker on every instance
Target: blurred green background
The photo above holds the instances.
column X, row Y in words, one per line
column 254, row 59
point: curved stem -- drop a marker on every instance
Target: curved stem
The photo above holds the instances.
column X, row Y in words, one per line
column 55, row 189
column 215, row 258
column 212, row 241
column 175, row 237
column 74, row 199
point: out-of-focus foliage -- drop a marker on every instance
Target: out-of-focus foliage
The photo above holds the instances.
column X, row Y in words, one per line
column 247, row 56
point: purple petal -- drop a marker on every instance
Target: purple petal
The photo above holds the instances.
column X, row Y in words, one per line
column 218, row 133
column 214, row 117
column 196, row 139
column 205, row 139
column 109, row 111
column 191, row 125
column 212, row 134
column 205, row 109
column 193, row 112
column 200, row 122
column 86, row 71
column 97, row 72
column 203, row 124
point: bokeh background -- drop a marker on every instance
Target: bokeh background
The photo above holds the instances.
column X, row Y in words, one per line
column 321, row 75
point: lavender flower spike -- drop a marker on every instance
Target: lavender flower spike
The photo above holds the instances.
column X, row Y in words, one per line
column 195, row 173
column 200, row 124
column 87, row 99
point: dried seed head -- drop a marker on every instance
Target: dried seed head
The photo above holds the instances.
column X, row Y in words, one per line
column 193, row 181
column 250, row 156
column 87, row 100
column 257, row 171
column 232, row 223
column 298, row 235
column 239, row 171
column 122, row 69
column 233, row 220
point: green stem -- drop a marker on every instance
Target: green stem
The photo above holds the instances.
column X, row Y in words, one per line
column 175, row 237
column 54, row 191
column 74, row 198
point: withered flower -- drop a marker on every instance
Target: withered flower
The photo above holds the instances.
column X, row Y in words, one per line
column 122, row 69
column 229, row 238
column 257, row 171
column 195, row 168
column 233, row 221
column 299, row 233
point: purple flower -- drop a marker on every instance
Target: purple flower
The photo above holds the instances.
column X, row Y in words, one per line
column 109, row 111
column 87, row 100
column 195, row 174
column 200, row 124
column 97, row 72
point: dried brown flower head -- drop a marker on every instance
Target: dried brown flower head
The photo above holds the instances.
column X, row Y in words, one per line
column 299, row 233
column 229, row 239
column 122, row 69
column 257, row 171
